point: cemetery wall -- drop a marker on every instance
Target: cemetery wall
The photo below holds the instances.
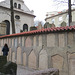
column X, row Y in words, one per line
column 43, row 49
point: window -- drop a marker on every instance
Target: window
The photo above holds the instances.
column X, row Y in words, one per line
column 17, row 17
column 19, row 6
column 25, row 27
column 60, row 18
column 15, row 5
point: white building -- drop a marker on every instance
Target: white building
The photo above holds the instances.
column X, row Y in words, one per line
column 24, row 18
column 57, row 18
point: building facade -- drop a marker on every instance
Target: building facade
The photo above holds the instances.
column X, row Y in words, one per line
column 23, row 17
column 59, row 18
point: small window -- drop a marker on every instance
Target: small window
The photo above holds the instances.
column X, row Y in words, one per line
column 15, row 5
column 60, row 18
column 19, row 6
column 17, row 17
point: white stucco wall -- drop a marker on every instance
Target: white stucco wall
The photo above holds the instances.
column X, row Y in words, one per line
column 26, row 16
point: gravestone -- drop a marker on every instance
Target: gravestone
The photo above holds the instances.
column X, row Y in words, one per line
column 63, row 24
column 33, row 28
column 39, row 26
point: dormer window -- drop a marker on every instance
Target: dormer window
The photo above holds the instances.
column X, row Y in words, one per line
column 19, row 6
column 15, row 5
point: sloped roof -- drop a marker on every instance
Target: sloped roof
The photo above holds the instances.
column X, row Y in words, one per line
column 46, row 30
column 19, row 11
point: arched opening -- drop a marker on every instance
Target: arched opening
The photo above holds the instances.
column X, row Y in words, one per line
column 19, row 6
column 7, row 27
column 25, row 27
column 15, row 5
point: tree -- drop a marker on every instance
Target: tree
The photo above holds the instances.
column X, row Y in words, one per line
column 60, row 3
column 36, row 22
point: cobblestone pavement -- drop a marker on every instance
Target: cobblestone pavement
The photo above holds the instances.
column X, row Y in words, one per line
column 21, row 70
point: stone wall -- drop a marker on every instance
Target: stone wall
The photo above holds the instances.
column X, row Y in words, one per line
column 45, row 72
column 42, row 51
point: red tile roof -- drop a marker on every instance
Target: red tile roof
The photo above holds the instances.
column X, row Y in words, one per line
column 53, row 29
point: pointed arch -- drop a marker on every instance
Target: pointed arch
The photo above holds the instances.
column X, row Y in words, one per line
column 28, row 42
column 24, row 59
column 13, row 57
column 18, row 55
column 57, row 61
column 71, row 60
column 31, row 61
column 43, row 59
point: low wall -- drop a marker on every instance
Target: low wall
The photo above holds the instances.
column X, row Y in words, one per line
column 43, row 49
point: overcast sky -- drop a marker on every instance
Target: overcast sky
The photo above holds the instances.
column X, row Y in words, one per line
column 41, row 7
